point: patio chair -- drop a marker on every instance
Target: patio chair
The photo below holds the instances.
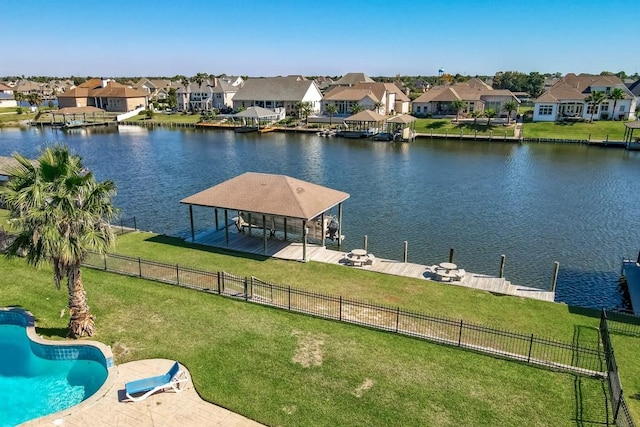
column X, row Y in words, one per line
column 145, row 387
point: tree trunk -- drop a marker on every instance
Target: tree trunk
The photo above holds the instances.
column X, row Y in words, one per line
column 81, row 323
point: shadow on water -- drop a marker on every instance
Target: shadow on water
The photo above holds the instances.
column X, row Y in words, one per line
column 591, row 402
column 590, row 288
column 175, row 241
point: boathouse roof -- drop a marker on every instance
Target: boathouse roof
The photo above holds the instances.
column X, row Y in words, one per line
column 279, row 195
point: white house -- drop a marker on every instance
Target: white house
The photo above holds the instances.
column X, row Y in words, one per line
column 278, row 92
column 6, row 96
column 565, row 100
column 217, row 92
column 384, row 98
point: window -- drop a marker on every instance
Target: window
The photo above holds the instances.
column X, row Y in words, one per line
column 472, row 106
column 545, row 110
column 622, row 108
column 604, row 107
column 592, row 109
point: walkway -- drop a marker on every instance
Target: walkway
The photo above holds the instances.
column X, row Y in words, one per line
column 277, row 248
column 164, row 409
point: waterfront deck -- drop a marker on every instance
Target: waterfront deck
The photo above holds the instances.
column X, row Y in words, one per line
column 287, row 250
column 631, row 271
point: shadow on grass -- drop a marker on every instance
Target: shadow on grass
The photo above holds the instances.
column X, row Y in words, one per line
column 180, row 243
column 436, row 125
column 53, row 332
column 592, row 403
column 479, row 127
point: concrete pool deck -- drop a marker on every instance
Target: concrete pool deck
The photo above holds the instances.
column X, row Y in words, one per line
column 112, row 408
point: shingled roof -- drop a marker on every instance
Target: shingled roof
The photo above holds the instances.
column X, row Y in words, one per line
column 269, row 194
column 274, row 89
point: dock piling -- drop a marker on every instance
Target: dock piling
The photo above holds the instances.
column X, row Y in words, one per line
column 451, row 254
column 502, row 261
column 365, row 244
column 556, row 267
column 406, row 251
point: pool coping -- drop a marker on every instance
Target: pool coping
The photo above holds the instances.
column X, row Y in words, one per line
column 112, row 370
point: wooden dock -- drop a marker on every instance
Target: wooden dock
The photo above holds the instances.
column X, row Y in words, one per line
column 287, row 250
column 631, row 271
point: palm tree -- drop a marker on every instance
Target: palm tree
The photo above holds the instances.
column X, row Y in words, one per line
column 355, row 108
column 60, row 213
column 594, row 100
column 458, row 105
column 34, row 99
column 475, row 114
column 377, row 106
column 19, row 97
column 616, row 94
column 489, row 113
column 304, row 110
column 510, row 107
column 331, row 109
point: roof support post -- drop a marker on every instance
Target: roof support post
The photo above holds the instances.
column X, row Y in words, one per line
column 339, row 226
column 304, row 240
column 264, row 234
column 285, row 228
column 324, row 231
column 226, row 229
column 216, row 213
column 193, row 236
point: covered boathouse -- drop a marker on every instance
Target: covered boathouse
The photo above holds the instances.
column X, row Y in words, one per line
column 275, row 207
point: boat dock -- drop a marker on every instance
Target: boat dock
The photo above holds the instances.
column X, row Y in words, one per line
column 631, row 271
column 287, row 250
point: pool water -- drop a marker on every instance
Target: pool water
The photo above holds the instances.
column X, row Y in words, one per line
column 33, row 386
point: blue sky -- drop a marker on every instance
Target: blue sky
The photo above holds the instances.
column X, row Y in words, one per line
column 325, row 37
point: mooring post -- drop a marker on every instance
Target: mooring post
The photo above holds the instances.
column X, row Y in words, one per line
column 406, row 251
column 365, row 243
column 556, row 267
column 638, row 260
column 502, row 260
column 451, row 255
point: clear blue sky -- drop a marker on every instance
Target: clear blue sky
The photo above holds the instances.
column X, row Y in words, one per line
column 326, row 37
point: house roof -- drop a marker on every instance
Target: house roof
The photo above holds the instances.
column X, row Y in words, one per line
column 4, row 87
column 256, row 113
column 366, row 116
column 270, row 194
column 78, row 110
column 574, row 87
column 93, row 87
column 351, row 79
column 464, row 92
column 345, row 93
column 402, row 118
column 274, row 89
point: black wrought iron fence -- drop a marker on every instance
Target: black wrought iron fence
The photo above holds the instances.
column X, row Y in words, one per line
column 621, row 415
column 502, row 343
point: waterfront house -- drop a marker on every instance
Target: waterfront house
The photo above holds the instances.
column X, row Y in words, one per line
column 477, row 96
column 157, row 89
column 217, row 92
column 105, row 94
column 6, row 96
column 565, row 100
column 278, row 92
column 384, row 98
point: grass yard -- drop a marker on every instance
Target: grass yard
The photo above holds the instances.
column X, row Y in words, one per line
column 285, row 369
column 167, row 118
column 447, row 127
column 556, row 321
column 598, row 130
column 11, row 118
column 626, row 353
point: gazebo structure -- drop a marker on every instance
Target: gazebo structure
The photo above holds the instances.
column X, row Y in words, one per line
column 403, row 125
column 363, row 124
column 258, row 116
column 77, row 112
column 628, row 132
column 272, row 205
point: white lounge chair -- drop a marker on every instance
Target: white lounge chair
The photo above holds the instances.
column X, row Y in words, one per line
column 147, row 386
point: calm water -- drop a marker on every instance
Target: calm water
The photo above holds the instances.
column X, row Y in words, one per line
column 31, row 387
column 536, row 204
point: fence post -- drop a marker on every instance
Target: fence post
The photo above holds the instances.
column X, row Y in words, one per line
column 289, row 303
column 139, row 267
column 246, row 289
column 135, row 225
column 104, row 256
column 556, row 267
column 460, row 334
column 397, row 319
column 406, row 251
column 530, row 346
column 177, row 274
column 218, row 275
column 365, row 242
column 502, row 261
column 451, row 255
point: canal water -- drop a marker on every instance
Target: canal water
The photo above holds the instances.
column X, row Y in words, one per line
column 534, row 203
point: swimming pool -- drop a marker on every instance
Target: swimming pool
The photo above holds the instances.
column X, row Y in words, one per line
column 38, row 377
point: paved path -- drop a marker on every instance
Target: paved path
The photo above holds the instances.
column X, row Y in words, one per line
column 111, row 409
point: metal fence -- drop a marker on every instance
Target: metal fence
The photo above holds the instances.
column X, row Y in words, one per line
column 621, row 415
column 125, row 225
column 502, row 343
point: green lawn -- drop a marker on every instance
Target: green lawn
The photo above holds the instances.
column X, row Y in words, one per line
column 626, row 353
column 448, row 127
column 167, row 118
column 598, row 130
column 286, row 369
